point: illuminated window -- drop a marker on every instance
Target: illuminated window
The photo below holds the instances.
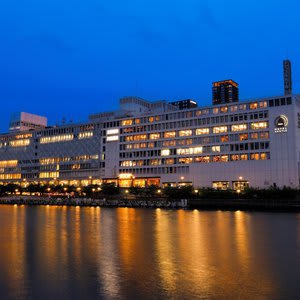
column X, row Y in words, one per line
column 204, row 159
column 201, row 131
column 220, row 129
column 224, row 158
column 139, row 137
column 169, row 143
column 8, row 163
column 49, row 175
column 155, row 162
column 112, row 138
column 233, row 108
column 238, row 127
column 151, row 119
column 185, row 132
column 223, row 109
column 170, row 134
column 127, row 163
column 264, row 135
column 254, row 135
column 235, row 157
column 137, row 121
column 244, row 156
column 85, row 135
column 243, row 136
column 185, row 160
column 263, row 104
column 220, row 185
column 187, row 151
column 216, row 149
column 259, row 125
column 154, row 136
column 151, row 145
column 216, row 110
column 224, row 138
column 113, row 131
column 19, row 143
column 10, row 176
column 165, row 152
column 216, row 158
column 126, row 122
column 254, row 156
column 169, row 161
column 56, row 138
column 253, row 105
column 242, row 106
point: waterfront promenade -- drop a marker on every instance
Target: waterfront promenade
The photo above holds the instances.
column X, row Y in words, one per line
column 219, row 203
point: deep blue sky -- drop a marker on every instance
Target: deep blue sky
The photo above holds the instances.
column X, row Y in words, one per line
column 69, row 58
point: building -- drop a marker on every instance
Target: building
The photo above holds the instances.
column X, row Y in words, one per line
column 185, row 104
column 23, row 121
column 226, row 91
column 287, row 77
column 231, row 145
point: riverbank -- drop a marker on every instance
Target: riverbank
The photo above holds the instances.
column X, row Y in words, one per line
column 210, row 204
column 153, row 203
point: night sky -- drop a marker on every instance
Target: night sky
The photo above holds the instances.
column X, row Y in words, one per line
column 69, row 58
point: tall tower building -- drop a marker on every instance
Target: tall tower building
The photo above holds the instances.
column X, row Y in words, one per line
column 225, row 91
column 287, row 77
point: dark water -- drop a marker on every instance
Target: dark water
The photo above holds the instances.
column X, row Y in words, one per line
column 93, row 253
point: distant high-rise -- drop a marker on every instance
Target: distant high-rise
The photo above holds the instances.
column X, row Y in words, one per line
column 185, row 104
column 225, row 91
column 287, row 76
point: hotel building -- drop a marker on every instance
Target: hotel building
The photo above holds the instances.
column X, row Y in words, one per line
column 231, row 145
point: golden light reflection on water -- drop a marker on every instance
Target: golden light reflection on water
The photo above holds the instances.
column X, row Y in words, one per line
column 135, row 253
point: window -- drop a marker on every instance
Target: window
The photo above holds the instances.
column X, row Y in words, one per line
column 259, row 125
column 243, row 136
column 185, row 132
column 165, row 152
column 169, row 134
column 126, row 122
column 215, row 148
column 239, row 127
column 201, row 131
column 220, row 129
column 253, row 105
column 154, row 136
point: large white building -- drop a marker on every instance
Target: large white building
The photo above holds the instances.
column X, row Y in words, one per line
column 231, row 145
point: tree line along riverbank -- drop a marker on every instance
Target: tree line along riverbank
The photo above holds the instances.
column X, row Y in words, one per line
column 169, row 197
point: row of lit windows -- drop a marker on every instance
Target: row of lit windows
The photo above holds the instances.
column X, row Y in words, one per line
column 19, row 143
column 199, row 131
column 198, row 159
column 8, row 163
column 205, row 111
column 204, row 140
column 197, row 122
column 198, row 150
column 56, row 138
column 54, row 160
column 85, row 135
column 10, row 176
column 49, row 175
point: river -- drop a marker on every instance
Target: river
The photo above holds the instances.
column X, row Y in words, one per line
column 49, row 252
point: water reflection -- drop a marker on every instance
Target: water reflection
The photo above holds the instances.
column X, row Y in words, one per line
column 87, row 253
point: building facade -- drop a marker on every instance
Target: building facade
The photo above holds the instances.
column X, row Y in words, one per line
column 233, row 145
column 225, row 91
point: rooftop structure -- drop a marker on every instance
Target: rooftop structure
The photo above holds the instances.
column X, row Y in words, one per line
column 23, row 121
column 225, row 91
